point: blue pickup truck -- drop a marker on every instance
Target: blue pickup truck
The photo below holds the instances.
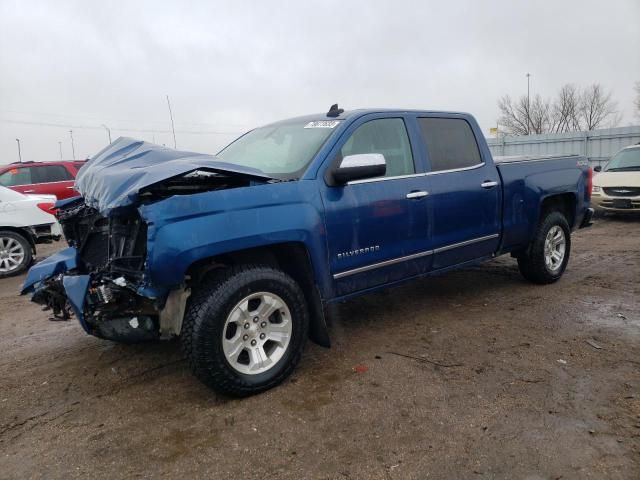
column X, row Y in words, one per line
column 239, row 253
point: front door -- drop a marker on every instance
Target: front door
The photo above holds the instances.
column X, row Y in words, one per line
column 52, row 180
column 377, row 228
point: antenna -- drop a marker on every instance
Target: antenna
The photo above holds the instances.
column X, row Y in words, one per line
column 172, row 127
column 334, row 111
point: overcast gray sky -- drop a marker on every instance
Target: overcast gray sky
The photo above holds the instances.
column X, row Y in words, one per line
column 229, row 66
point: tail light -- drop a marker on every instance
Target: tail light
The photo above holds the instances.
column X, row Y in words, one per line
column 589, row 182
column 47, row 207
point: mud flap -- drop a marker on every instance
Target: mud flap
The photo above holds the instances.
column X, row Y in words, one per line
column 318, row 331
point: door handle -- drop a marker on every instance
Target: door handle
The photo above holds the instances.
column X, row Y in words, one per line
column 415, row 195
column 488, row 184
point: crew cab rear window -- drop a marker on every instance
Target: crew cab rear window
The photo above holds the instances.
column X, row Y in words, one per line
column 15, row 177
column 450, row 143
column 50, row 173
column 387, row 136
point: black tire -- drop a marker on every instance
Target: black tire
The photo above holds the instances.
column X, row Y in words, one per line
column 27, row 259
column 532, row 263
column 204, row 326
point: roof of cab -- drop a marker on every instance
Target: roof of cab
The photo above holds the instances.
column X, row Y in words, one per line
column 351, row 114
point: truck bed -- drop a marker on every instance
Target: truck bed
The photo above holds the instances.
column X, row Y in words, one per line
column 524, row 178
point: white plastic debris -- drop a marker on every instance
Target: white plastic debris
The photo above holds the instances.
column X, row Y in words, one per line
column 594, row 344
column 120, row 281
column 563, row 362
column 134, row 322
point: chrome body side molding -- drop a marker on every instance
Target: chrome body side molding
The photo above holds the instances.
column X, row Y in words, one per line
column 426, row 253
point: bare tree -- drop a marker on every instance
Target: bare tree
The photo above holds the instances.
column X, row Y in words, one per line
column 523, row 117
column 514, row 115
column 540, row 115
column 565, row 110
column 636, row 101
column 574, row 109
column 597, row 109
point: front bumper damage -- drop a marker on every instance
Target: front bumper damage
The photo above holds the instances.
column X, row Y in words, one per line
column 98, row 278
column 104, row 277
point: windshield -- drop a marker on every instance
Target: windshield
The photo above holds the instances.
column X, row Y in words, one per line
column 282, row 151
column 626, row 160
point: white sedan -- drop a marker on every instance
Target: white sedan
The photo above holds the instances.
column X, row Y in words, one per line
column 25, row 220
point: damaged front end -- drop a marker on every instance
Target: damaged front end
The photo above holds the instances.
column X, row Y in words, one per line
column 98, row 277
column 103, row 276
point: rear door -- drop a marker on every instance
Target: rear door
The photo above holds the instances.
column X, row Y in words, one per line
column 464, row 192
column 376, row 228
column 52, row 180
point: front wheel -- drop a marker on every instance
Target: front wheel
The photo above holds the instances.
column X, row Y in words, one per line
column 245, row 329
column 548, row 254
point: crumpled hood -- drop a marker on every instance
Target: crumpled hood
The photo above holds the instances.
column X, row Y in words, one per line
column 114, row 177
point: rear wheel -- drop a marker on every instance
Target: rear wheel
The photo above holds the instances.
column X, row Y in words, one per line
column 548, row 254
column 245, row 330
column 15, row 253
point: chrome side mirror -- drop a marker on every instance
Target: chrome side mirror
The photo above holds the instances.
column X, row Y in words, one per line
column 360, row 166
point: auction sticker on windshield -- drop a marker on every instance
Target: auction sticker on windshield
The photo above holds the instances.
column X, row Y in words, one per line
column 323, row 124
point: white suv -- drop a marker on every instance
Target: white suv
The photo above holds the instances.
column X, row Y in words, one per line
column 617, row 187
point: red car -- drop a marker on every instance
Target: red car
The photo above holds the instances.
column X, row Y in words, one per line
column 42, row 178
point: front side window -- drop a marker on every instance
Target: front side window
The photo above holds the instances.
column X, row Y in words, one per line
column 450, row 143
column 16, row 177
column 282, row 150
column 387, row 136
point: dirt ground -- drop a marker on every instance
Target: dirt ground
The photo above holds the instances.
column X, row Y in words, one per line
column 511, row 380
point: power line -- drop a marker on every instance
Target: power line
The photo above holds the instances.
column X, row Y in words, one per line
column 95, row 127
column 101, row 120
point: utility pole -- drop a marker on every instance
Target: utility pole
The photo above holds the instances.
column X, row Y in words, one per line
column 60, row 146
column 108, row 132
column 73, row 147
column 528, row 107
column 19, row 152
column 172, row 127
